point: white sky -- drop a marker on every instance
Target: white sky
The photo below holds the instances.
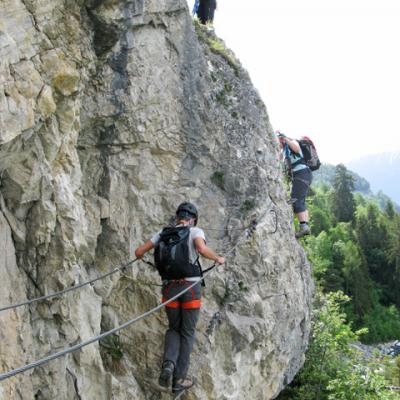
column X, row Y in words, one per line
column 328, row 69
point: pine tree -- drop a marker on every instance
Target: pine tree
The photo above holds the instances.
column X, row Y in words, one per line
column 393, row 255
column 390, row 210
column 343, row 203
column 372, row 235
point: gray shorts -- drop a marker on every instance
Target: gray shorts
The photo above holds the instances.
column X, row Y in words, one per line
column 301, row 183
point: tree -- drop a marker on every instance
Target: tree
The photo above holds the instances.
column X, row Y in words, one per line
column 390, row 210
column 325, row 271
column 343, row 204
column 372, row 235
column 357, row 283
column 393, row 255
column 334, row 369
column 383, row 324
column 319, row 209
column 319, row 221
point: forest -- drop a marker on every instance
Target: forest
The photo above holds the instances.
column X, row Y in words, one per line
column 354, row 251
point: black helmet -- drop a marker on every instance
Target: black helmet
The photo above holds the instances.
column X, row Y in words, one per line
column 188, row 208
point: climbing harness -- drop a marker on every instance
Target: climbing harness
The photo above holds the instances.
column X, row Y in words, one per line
column 70, row 289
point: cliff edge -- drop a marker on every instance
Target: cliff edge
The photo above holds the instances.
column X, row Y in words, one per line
column 111, row 113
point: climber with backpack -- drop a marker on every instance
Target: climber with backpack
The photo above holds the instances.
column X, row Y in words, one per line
column 300, row 159
column 176, row 254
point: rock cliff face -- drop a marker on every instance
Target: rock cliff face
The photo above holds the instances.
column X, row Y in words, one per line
column 111, row 113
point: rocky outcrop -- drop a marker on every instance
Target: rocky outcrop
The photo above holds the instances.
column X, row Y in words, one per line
column 111, row 113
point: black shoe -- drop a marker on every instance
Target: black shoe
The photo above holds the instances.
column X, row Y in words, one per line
column 303, row 231
column 165, row 378
column 182, row 384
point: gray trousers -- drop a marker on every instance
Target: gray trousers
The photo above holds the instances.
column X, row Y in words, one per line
column 300, row 184
column 183, row 315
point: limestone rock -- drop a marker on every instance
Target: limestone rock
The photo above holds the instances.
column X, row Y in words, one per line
column 16, row 332
column 111, row 113
column 64, row 77
column 46, row 104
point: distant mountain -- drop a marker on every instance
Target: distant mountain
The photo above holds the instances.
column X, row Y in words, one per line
column 326, row 173
column 382, row 171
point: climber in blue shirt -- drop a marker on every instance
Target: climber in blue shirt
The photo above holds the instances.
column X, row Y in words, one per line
column 301, row 177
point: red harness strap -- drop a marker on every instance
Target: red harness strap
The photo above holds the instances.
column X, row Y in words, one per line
column 190, row 305
column 186, row 305
column 173, row 304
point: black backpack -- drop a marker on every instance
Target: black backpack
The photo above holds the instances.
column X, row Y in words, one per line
column 310, row 155
column 171, row 254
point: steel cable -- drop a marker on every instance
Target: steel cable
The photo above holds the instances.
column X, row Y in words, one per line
column 247, row 233
column 75, row 287
column 70, row 289
column 78, row 346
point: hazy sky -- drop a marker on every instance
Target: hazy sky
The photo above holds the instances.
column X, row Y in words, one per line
column 327, row 69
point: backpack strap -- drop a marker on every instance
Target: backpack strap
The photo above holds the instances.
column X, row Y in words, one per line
column 287, row 150
column 288, row 153
column 201, row 270
column 298, row 162
column 287, row 162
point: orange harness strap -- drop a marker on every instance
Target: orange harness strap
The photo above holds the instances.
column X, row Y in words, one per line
column 192, row 304
column 187, row 305
column 173, row 304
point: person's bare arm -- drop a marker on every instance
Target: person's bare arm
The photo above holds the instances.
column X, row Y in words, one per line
column 144, row 248
column 206, row 252
column 293, row 144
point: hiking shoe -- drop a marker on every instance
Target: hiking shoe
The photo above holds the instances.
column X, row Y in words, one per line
column 304, row 230
column 167, row 370
column 182, row 384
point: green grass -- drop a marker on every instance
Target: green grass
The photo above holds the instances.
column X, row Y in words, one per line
column 112, row 347
column 243, row 287
column 217, row 46
column 247, row 205
column 221, row 98
column 225, row 300
column 218, row 179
